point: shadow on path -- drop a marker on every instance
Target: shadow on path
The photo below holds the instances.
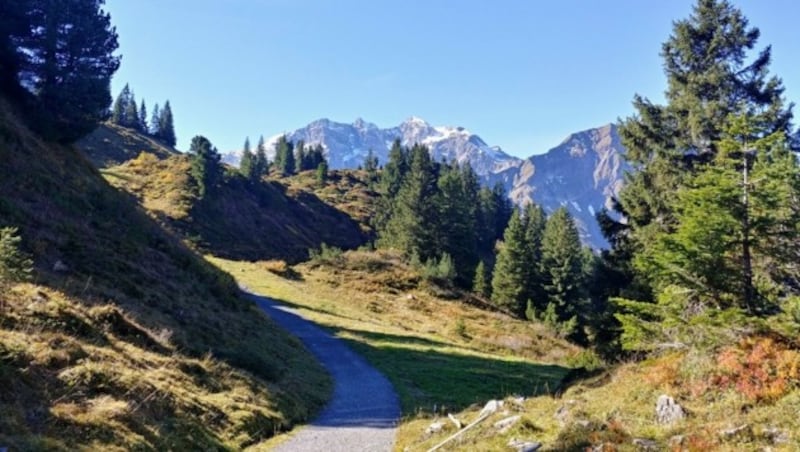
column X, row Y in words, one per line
column 364, row 410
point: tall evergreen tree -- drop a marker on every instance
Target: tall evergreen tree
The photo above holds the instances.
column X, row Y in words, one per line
column 206, row 169
column 120, row 106
column 535, row 221
column 66, row 59
column 412, row 227
column 166, row 128
column 155, row 121
column 482, row 283
column 261, row 163
column 456, row 201
column 562, row 269
column 131, row 113
column 143, row 127
column 284, row 156
column 247, row 165
column 301, row 161
column 509, row 278
column 371, row 166
column 711, row 75
column 392, row 176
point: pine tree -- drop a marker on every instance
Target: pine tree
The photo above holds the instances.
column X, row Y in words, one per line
column 66, row 59
column 143, row 127
column 710, row 75
column 120, row 105
column 392, row 177
column 131, row 113
column 456, row 202
column 371, row 166
column 284, row 156
column 481, row 285
column 562, row 266
column 261, row 163
column 412, row 227
column 247, row 165
column 535, row 222
column 166, row 128
column 322, row 173
column 206, row 169
column 509, row 278
column 301, row 162
column 155, row 121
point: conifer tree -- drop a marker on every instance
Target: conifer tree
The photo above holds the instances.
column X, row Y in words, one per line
column 481, row 285
column 535, row 221
column 120, row 105
column 247, row 165
column 155, row 121
column 391, row 179
column 562, row 266
column 206, row 169
column 456, row 219
column 65, row 59
column 261, row 163
column 301, row 162
column 143, row 127
column 412, row 227
column 509, row 277
column 284, row 156
column 322, row 172
column 166, row 128
column 131, row 113
column 371, row 166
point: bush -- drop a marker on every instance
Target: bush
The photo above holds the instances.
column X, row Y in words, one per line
column 326, row 255
column 760, row 369
column 443, row 270
column 15, row 265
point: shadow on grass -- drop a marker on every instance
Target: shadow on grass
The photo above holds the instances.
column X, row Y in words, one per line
column 428, row 379
column 371, row 336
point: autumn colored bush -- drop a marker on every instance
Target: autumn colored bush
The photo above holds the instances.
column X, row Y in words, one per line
column 760, row 368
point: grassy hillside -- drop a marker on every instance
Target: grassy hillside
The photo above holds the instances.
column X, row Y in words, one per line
column 125, row 339
column 241, row 220
column 111, row 144
column 441, row 354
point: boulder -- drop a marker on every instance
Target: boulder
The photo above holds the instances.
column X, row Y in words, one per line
column 504, row 424
column 490, row 407
column 524, row 446
column 436, row 427
column 668, row 411
column 775, row 435
column 645, row 444
column 742, row 432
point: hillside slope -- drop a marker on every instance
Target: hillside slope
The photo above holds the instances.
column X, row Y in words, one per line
column 111, row 144
column 125, row 339
column 241, row 220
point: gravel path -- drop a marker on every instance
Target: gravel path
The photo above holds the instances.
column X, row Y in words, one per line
column 363, row 413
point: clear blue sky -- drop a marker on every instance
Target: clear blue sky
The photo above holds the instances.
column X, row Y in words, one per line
column 522, row 74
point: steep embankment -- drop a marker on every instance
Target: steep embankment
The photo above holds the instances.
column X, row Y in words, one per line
column 111, row 145
column 240, row 219
column 125, row 339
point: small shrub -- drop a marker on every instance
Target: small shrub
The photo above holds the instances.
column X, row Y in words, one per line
column 442, row 270
column 460, row 328
column 585, row 359
column 15, row 265
column 760, row 369
column 326, row 255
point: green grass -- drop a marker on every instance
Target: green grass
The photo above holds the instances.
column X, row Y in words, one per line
column 413, row 338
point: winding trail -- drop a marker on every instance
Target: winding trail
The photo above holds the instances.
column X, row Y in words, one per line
column 362, row 415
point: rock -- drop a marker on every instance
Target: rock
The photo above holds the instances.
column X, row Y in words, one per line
column 583, row 423
column 645, row 444
column 518, row 401
column 775, row 435
column 524, row 446
column 741, row 432
column 676, row 442
column 490, row 407
column 668, row 411
column 410, row 297
column 455, row 421
column 60, row 267
column 504, row 424
column 436, row 427
column 562, row 414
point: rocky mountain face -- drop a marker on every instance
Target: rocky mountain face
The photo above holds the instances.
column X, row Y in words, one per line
column 582, row 173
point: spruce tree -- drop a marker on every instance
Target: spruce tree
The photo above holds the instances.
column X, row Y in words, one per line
column 711, row 74
column 322, row 173
column 155, row 121
column 391, row 179
column 536, row 220
column 166, row 128
column 131, row 114
column 509, row 277
column 247, row 165
column 371, row 166
column 205, row 169
column 412, row 227
column 301, row 162
column 284, row 156
column 143, row 127
column 261, row 167
column 120, row 105
column 481, row 285
column 65, row 59
column 456, row 219
column 562, row 266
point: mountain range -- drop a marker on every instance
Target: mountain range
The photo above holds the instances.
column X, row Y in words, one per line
column 582, row 173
